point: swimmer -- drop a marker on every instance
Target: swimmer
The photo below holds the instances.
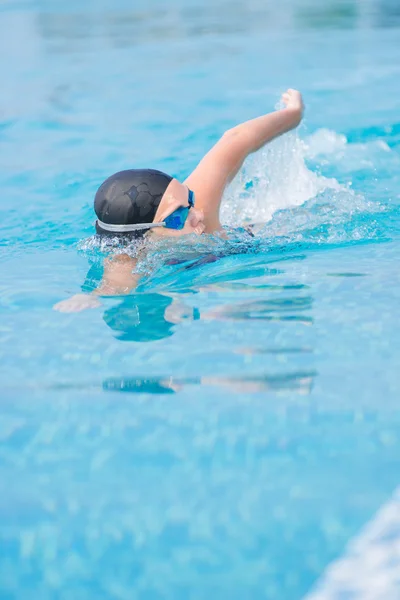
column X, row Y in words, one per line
column 138, row 203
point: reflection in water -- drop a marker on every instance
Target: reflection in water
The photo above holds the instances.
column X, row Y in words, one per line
column 140, row 318
column 252, row 351
column 281, row 309
column 123, row 28
column 150, row 317
column 345, row 274
column 153, row 316
column 387, row 13
column 328, row 14
column 300, row 382
column 246, row 287
column 295, row 382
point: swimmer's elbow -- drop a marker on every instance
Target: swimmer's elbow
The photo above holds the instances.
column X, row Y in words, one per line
column 238, row 139
column 233, row 133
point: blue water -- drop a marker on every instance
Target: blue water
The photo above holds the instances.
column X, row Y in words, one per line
column 234, row 454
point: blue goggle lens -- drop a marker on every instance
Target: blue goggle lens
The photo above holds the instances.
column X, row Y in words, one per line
column 191, row 199
column 177, row 219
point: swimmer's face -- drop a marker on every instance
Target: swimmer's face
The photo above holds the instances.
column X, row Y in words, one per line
column 175, row 196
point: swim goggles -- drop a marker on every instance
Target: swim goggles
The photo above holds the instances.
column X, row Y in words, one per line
column 176, row 220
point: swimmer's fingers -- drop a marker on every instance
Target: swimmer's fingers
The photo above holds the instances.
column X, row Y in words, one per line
column 77, row 303
column 65, row 307
column 286, row 99
column 293, row 99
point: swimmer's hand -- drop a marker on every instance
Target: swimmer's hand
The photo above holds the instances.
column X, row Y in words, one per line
column 77, row 303
column 294, row 102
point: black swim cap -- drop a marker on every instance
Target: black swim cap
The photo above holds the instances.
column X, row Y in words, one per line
column 129, row 197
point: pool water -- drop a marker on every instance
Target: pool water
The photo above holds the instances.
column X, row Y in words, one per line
column 234, row 444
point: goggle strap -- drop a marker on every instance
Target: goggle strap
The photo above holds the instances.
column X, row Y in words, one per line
column 128, row 228
column 138, row 226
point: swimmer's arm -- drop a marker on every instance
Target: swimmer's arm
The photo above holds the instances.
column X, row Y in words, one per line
column 223, row 161
column 118, row 279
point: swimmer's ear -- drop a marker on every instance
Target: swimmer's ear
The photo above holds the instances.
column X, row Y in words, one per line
column 196, row 216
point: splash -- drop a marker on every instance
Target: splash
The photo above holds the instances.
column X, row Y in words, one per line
column 291, row 203
column 275, row 178
column 326, row 147
column 323, row 142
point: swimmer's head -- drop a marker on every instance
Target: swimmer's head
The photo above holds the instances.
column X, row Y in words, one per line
column 134, row 202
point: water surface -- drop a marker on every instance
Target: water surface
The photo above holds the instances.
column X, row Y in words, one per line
column 233, row 444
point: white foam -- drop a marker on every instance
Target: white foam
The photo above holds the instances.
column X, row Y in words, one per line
column 370, row 567
column 274, row 178
column 325, row 141
column 326, row 145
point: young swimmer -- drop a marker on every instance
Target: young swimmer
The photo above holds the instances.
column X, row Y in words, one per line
column 143, row 202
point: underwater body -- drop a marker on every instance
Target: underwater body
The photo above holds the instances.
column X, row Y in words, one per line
column 232, row 428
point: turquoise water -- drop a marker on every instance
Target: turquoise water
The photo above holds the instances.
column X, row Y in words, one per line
column 235, row 453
